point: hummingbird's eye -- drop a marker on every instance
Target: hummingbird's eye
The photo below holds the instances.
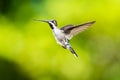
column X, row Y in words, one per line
column 53, row 22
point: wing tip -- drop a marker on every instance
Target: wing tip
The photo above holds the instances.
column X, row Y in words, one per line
column 89, row 23
column 93, row 22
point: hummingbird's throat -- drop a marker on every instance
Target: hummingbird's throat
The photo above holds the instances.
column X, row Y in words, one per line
column 51, row 26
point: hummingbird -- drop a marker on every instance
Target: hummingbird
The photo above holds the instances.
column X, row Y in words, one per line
column 64, row 35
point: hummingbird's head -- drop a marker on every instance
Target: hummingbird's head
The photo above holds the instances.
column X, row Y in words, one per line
column 52, row 23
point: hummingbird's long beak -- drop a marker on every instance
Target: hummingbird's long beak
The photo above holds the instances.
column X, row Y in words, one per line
column 46, row 21
column 41, row 20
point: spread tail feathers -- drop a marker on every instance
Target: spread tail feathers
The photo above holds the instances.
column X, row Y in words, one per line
column 73, row 52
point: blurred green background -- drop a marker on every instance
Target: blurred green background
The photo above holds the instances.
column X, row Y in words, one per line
column 28, row 50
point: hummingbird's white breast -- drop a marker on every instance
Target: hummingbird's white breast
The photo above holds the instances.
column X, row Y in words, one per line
column 59, row 35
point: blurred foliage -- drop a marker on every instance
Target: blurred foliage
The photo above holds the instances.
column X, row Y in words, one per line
column 10, row 71
column 30, row 46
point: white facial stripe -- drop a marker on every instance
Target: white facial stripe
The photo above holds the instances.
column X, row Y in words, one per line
column 53, row 25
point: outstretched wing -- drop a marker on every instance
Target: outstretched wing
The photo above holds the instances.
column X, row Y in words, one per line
column 71, row 30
